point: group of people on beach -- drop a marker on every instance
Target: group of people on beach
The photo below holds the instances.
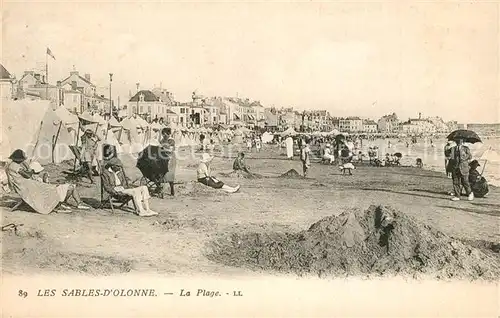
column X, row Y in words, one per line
column 29, row 180
column 463, row 171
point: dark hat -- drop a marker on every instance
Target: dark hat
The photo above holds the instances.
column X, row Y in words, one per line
column 474, row 163
column 18, row 155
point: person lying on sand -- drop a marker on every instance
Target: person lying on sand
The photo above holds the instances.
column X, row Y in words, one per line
column 204, row 175
column 114, row 182
column 41, row 197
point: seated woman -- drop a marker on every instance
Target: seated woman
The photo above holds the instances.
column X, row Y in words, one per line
column 239, row 163
column 114, row 182
column 41, row 197
column 204, row 175
column 477, row 182
column 328, row 154
column 345, row 154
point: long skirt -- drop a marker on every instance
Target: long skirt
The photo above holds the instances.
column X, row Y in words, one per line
column 480, row 188
column 211, row 182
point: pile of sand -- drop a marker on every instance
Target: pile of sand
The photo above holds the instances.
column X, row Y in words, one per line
column 291, row 174
column 378, row 241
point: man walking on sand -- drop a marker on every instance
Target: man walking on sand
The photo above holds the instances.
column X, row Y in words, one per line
column 460, row 171
column 305, row 155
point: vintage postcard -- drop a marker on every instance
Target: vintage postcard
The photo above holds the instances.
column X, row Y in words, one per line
column 250, row 159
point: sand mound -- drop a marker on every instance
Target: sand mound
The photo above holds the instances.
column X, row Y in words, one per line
column 378, row 241
column 291, row 174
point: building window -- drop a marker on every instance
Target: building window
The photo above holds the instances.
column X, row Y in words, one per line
column 182, row 119
column 140, row 109
column 149, row 109
column 134, row 109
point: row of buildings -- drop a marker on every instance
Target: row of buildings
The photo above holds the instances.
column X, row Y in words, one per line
column 78, row 93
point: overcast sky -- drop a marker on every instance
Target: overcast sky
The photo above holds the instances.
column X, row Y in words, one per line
column 364, row 59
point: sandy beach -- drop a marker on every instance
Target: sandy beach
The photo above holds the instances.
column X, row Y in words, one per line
column 97, row 242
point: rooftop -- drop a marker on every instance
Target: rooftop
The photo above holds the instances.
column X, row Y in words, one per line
column 4, row 73
column 149, row 96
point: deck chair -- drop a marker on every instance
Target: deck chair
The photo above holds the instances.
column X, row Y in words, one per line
column 77, row 153
column 109, row 200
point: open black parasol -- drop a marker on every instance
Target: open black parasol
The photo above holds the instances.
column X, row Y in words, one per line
column 398, row 155
column 153, row 163
column 467, row 136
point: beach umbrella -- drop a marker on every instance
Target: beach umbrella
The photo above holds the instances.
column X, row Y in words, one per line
column 398, row 154
column 489, row 155
column 467, row 135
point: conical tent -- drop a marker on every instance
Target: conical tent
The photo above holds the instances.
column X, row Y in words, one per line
column 52, row 142
column 98, row 119
column 20, row 125
column 68, row 118
column 141, row 122
column 87, row 117
column 113, row 122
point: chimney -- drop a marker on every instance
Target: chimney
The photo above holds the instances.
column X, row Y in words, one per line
column 73, row 85
column 419, row 115
column 58, row 84
column 87, row 77
column 37, row 77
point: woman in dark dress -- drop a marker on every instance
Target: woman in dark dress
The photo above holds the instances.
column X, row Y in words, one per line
column 477, row 182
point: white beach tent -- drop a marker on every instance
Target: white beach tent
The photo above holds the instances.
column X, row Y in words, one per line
column 98, row 119
column 130, row 139
column 141, row 122
column 52, row 141
column 21, row 120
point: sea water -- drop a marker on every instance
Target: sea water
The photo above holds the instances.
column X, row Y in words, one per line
column 432, row 154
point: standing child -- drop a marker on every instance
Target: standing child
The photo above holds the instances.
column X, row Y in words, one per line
column 305, row 157
column 258, row 143
column 249, row 144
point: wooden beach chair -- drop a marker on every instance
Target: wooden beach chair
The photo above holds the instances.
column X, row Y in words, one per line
column 109, row 200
